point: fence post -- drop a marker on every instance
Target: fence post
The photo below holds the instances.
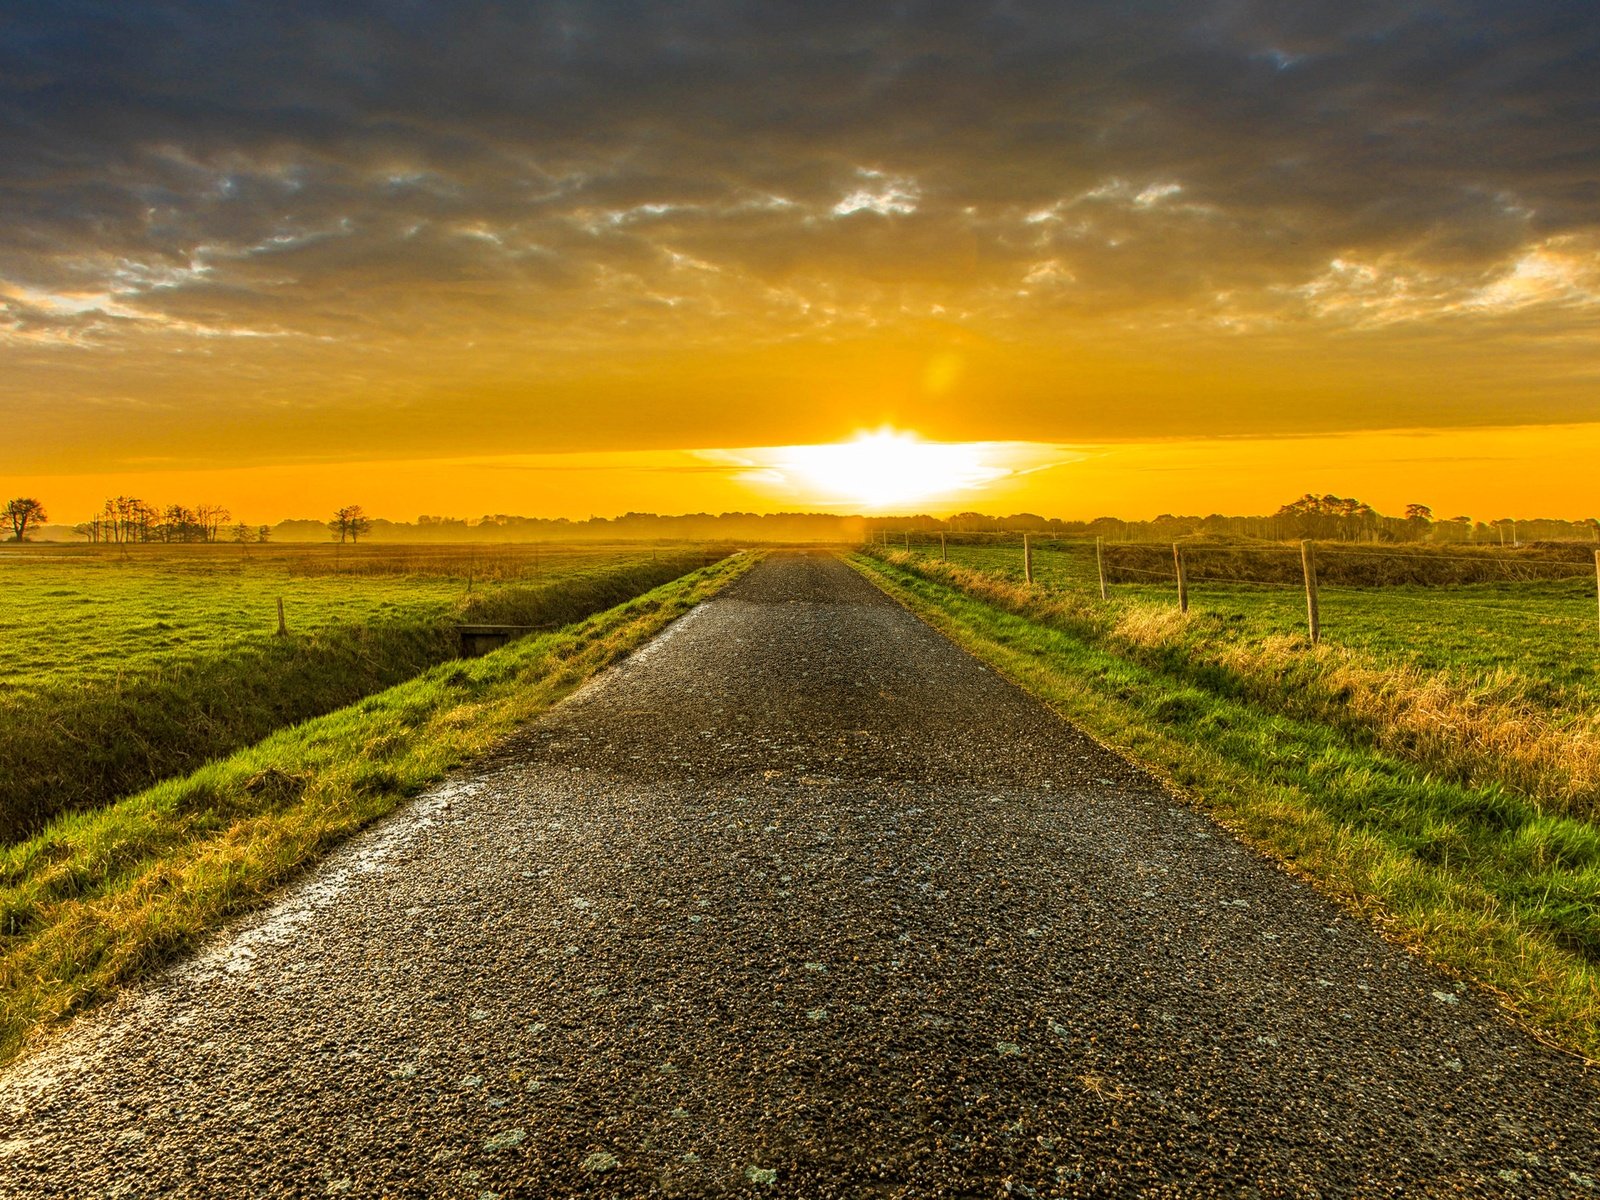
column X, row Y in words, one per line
column 1100, row 565
column 1027, row 558
column 1308, row 564
column 944, row 553
column 908, row 541
column 1597, row 576
column 283, row 630
column 1183, row 578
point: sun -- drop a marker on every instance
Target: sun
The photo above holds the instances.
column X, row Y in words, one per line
column 885, row 468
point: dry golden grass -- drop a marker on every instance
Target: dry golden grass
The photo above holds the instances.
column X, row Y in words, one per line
column 1413, row 828
column 1470, row 727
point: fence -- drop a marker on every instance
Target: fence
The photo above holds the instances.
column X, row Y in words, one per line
column 1358, row 590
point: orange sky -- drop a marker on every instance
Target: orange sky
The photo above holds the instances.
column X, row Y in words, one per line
column 557, row 260
column 1482, row 473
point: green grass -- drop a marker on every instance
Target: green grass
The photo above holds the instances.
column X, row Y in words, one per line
column 1542, row 630
column 100, row 898
column 87, row 615
column 1491, row 879
column 116, row 672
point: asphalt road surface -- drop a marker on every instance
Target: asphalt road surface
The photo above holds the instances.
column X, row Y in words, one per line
column 800, row 900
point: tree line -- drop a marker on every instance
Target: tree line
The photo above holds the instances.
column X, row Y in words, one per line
column 1324, row 518
column 1321, row 518
column 124, row 519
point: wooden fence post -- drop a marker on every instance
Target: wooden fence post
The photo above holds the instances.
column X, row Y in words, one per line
column 944, row 552
column 283, row 629
column 908, row 541
column 1597, row 576
column 1100, row 565
column 1183, row 578
column 1308, row 564
column 1027, row 558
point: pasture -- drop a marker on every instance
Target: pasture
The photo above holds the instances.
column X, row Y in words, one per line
column 123, row 666
column 1519, row 622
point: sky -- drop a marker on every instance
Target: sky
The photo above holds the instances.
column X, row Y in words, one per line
column 563, row 258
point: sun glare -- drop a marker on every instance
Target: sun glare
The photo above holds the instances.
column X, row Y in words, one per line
column 876, row 470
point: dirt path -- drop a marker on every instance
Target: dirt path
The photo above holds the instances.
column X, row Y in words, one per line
column 802, row 901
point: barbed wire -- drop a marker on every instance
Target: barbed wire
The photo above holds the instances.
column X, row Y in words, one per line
column 1141, row 571
column 1516, row 571
column 1223, row 581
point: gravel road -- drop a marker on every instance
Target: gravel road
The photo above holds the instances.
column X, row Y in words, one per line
column 800, row 900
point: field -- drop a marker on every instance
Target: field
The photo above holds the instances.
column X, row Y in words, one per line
column 104, row 895
column 87, row 614
column 120, row 667
column 1439, row 772
column 1533, row 631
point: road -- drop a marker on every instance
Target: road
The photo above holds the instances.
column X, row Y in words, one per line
column 800, row 900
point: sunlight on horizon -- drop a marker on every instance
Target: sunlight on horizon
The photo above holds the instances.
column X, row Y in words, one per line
column 879, row 469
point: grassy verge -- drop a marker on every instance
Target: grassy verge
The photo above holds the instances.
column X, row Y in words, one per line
column 100, row 898
column 1478, row 877
column 68, row 745
column 1534, row 637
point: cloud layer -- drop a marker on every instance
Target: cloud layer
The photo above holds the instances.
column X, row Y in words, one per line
column 262, row 230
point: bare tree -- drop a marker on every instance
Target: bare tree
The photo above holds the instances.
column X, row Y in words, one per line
column 22, row 512
column 210, row 518
column 129, row 519
column 264, row 534
column 243, row 534
column 350, row 523
column 177, row 524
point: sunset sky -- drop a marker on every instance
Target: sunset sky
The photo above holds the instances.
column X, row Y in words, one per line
column 572, row 258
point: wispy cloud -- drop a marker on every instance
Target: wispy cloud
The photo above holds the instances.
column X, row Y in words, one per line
column 375, row 209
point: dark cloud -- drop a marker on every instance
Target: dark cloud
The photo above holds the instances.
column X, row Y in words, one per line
column 545, row 181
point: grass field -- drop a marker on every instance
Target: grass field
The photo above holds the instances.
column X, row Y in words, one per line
column 101, row 897
column 121, row 668
column 1536, row 636
column 1457, row 808
column 83, row 614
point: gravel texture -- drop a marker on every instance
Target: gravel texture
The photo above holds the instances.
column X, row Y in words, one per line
column 800, row 900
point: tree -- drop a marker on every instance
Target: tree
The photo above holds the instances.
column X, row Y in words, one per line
column 243, row 534
column 1419, row 512
column 129, row 519
column 22, row 512
column 1328, row 516
column 350, row 523
column 209, row 520
column 264, row 534
column 178, row 524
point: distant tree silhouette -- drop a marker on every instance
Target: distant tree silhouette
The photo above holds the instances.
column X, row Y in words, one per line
column 22, row 512
column 1330, row 517
column 211, row 518
column 350, row 523
column 129, row 519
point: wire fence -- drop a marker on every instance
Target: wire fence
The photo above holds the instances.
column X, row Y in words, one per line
column 1537, row 603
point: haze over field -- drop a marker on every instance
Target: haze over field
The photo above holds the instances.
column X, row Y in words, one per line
column 578, row 258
